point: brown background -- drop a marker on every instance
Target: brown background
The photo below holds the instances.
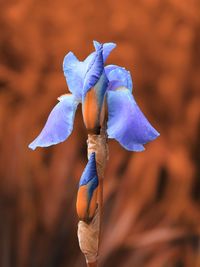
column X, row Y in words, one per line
column 152, row 199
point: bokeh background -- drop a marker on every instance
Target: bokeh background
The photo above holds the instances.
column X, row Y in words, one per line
column 152, row 199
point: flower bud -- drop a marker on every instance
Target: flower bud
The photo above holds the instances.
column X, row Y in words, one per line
column 87, row 193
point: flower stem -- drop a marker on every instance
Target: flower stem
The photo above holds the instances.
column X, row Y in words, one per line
column 89, row 234
column 92, row 264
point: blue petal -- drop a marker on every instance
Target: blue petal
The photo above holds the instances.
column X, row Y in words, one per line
column 82, row 75
column 89, row 176
column 90, row 173
column 107, row 48
column 115, row 84
column 116, row 73
column 74, row 71
column 95, row 64
column 59, row 124
column 100, row 89
column 126, row 123
column 94, row 70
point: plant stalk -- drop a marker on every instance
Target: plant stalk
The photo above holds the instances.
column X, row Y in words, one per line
column 89, row 234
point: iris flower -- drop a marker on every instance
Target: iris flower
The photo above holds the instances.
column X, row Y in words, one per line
column 97, row 87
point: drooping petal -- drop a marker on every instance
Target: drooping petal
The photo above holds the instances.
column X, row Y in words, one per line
column 126, row 122
column 118, row 75
column 87, row 193
column 59, row 124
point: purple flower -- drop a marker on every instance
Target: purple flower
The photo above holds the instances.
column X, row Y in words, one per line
column 93, row 84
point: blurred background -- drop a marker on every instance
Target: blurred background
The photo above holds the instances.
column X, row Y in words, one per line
column 152, row 199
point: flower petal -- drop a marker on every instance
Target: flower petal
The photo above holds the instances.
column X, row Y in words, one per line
column 81, row 76
column 107, row 48
column 119, row 74
column 126, row 123
column 94, row 70
column 90, row 173
column 74, row 71
column 59, row 124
